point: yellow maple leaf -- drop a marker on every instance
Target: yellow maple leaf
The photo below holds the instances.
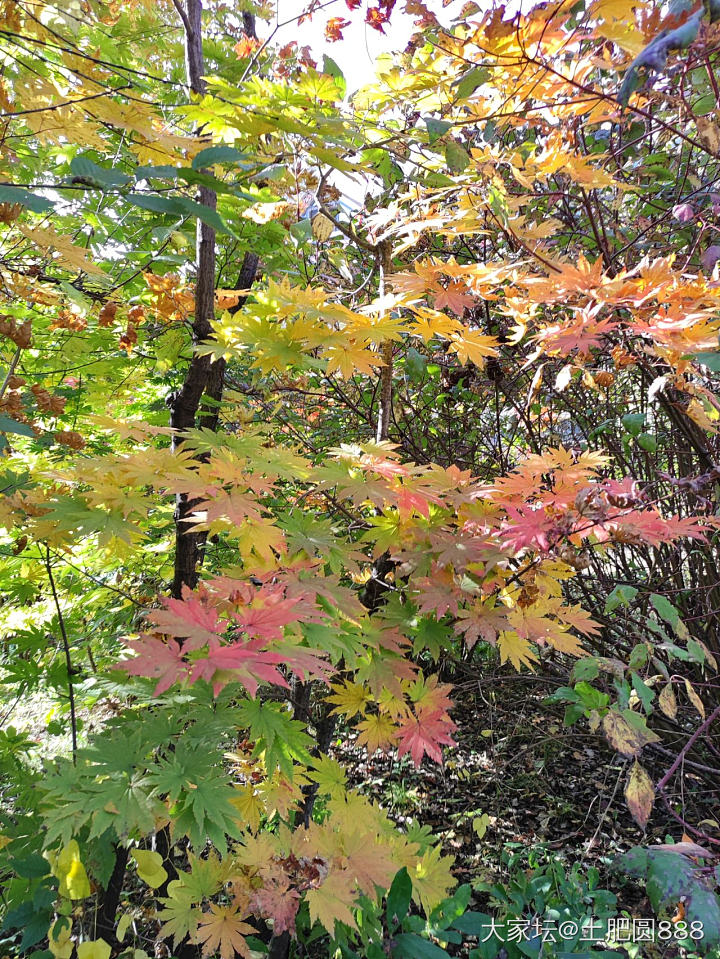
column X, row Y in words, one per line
column 429, row 323
column 280, row 795
column 262, row 537
column 248, row 804
column 68, row 254
column 330, row 903
column 350, row 358
column 376, row 732
column 431, row 879
column 472, row 346
column 519, row 651
column 351, row 698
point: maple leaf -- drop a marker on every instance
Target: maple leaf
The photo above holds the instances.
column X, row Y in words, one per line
column 431, row 323
column 189, row 618
column 267, row 615
column 68, row 254
column 455, row 297
column 516, row 649
column 329, row 776
column 328, row 904
column 225, row 510
column 156, row 659
column 247, row 802
column 349, row 358
column 245, row 662
column 369, row 863
column 582, row 333
column 649, row 526
column 376, row 732
column 438, row 594
column 431, row 879
column 179, row 915
column 223, row 930
column 579, row 619
column 304, row 662
column 246, row 47
column 527, row 527
column 472, row 346
column 262, row 537
column 481, row 621
column 425, row 734
column 376, row 18
column 429, row 695
column 351, row 698
column 334, row 28
column 279, row 901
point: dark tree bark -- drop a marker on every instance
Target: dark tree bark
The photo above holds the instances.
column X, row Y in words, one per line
column 204, row 377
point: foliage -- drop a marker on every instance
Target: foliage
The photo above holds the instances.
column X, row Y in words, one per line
column 475, row 416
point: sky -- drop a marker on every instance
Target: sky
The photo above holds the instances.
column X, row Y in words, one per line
column 356, row 53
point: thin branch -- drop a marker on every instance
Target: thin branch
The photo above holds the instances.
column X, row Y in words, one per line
column 68, row 660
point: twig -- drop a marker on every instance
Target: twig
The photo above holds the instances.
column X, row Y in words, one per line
column 13, row 364
column 68, row 660
column 686, row 748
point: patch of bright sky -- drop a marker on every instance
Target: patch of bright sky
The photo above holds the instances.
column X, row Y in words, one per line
column 357, row 53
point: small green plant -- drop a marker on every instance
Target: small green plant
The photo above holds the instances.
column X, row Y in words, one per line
column 542, row 909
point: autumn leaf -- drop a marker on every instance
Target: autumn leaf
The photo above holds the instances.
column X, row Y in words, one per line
column 425, row 734
column 330, row 902
column 431, row 879
column 223, row 930
column 627, row 731
column 519, row 651
column 376, row 732
column 639, row 794
column 350, row 699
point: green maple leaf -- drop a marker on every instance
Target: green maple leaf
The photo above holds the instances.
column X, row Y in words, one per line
column 282, row 738
column 76, row 516
column 206, row 812
column 179, row 915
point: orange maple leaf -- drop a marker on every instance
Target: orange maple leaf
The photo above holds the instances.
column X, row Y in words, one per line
column 223, row 930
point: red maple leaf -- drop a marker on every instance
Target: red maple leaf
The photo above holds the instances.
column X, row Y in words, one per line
column 481, row 622
column 277, row 900
column 455, row 297
column 334, row 28
column 438, row 593
column 267, row 617
column 376, row 18
column 425, row 736
column 246, row 662
column 246, row 46
column 189, row 619
column 156, row 659
column 527, row 528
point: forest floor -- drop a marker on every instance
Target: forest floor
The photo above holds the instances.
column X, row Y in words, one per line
column 520, row 786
